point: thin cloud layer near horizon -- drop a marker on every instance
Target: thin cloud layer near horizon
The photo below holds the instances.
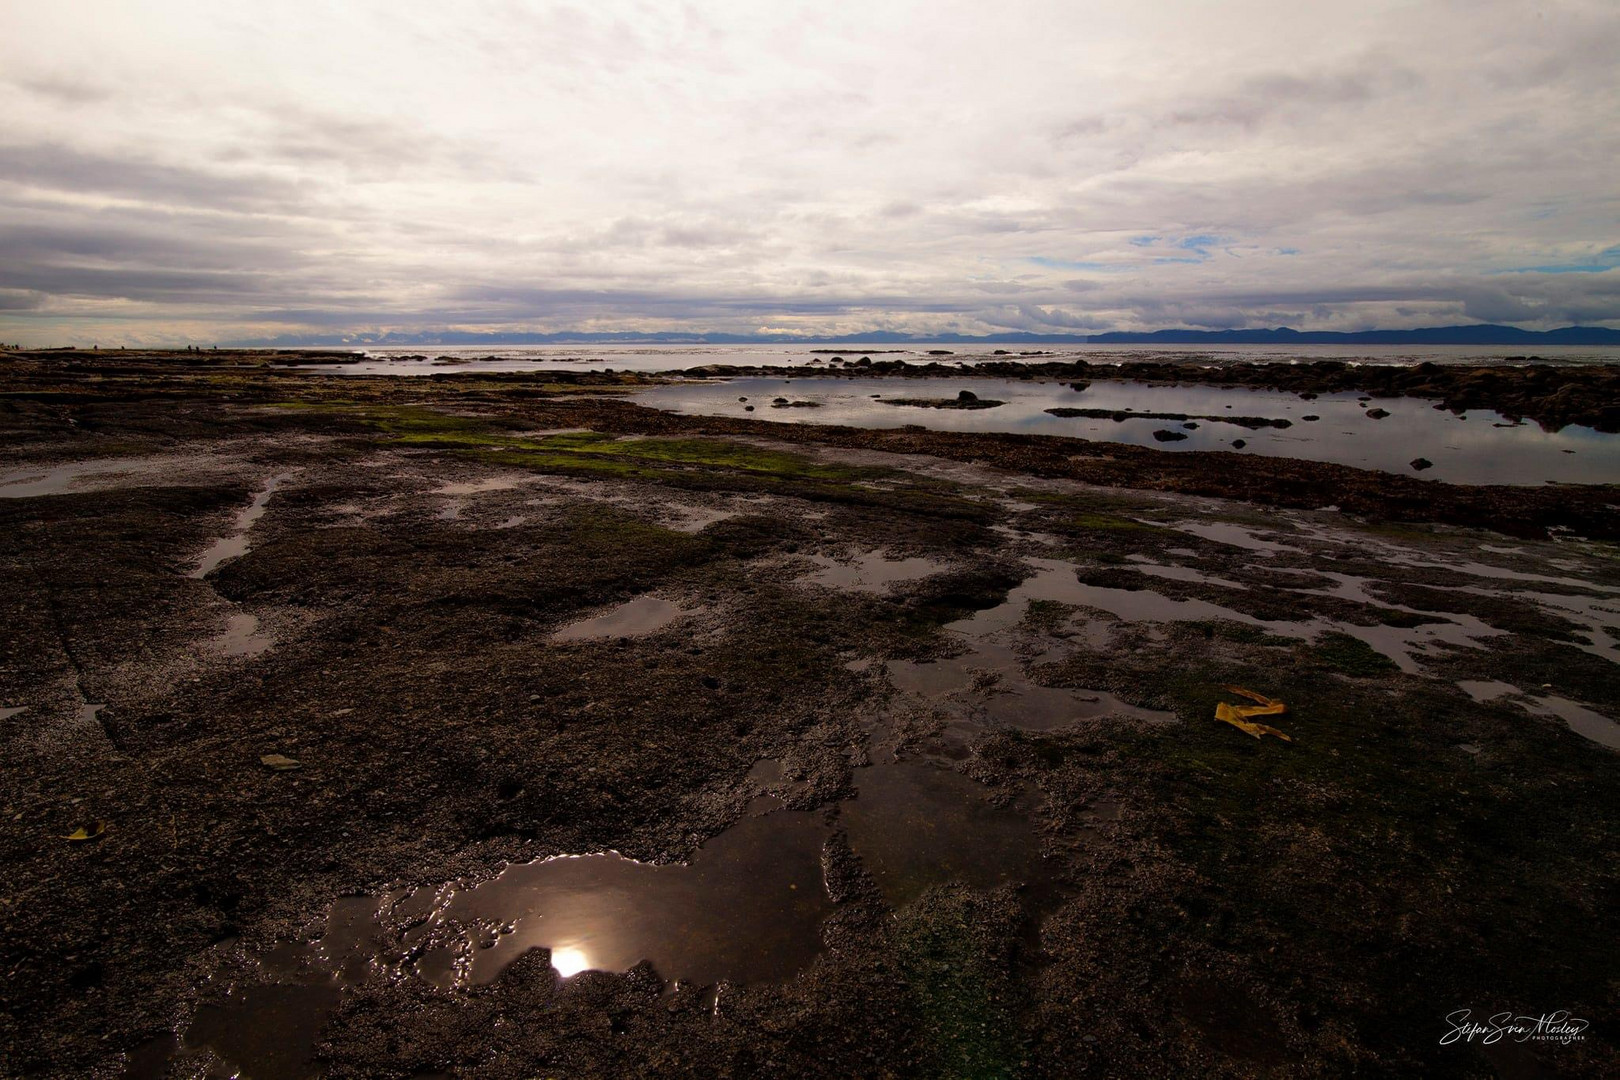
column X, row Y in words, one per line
column 233, row 172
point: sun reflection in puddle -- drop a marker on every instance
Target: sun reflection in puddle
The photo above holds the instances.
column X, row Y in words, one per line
column 570, row 960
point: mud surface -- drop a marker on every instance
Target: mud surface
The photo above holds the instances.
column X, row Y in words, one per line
column 868, row 754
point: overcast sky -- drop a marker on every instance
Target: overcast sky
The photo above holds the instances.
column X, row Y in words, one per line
column 229, row 171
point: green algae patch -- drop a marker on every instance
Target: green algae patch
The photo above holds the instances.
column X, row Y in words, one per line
column 1107, row 522
column 951, row 948
column 1351, row 655
column 706, row 453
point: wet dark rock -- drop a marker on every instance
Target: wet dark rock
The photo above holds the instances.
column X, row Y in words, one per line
column 1238, row 444
column 1166, row 435
column 1310, row 418
column 1119, row 416
column 965, row 400
column 1377, row 414
column 1422, row 463
column 1191, row 425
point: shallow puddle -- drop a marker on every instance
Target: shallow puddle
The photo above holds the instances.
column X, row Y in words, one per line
column 236, row 544
column 479, row 487
column 694, row 519
column 872, row 572
column 265, row 1031
column 1055, row 580
column 987, row 685
column 1483, row 690
column 748, row 907
column 634, row 618
column 1581, row 720
column 242, row 637
column 1232, row 535
column 1142, row 564
column 72, row 477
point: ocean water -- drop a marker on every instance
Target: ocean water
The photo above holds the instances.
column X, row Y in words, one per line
column 1475, row 447
column 390, row 361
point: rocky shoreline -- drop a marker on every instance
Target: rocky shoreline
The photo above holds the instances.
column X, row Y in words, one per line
column 278, row 640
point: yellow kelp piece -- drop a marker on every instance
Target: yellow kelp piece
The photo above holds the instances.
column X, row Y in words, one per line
column 1238, row 717
column 1251, row 695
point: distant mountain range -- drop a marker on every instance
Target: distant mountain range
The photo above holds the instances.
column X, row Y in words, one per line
column 1282, row 335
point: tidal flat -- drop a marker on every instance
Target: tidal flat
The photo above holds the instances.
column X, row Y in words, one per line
column 498, row 725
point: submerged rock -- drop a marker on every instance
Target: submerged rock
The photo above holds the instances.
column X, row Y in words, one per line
column 1166, row 435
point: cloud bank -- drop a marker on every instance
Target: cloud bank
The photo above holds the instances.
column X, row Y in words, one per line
column 172, row 172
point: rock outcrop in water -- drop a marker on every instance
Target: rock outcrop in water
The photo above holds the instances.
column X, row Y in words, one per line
column 965, row 400
column 1254, row 423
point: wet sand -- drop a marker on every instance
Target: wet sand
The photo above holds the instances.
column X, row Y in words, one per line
column 715, row 746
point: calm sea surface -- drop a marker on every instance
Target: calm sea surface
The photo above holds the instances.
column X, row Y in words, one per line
column 675, row 357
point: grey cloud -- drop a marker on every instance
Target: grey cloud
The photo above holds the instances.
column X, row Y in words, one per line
column 107, row 240
column 65, row 90
column 20, row 299
column 187, row 286
column 1263, row 96
column 1254, row 100
column 62, row 168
